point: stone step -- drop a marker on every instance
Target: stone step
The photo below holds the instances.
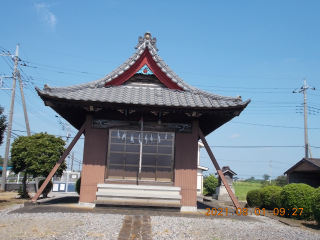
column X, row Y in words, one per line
column 139, row 200
column 138, row 187
column 138, row 191
column 137, row 195
column 153, row 204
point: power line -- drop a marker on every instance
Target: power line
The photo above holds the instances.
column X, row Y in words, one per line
column 65, row 69
column 98, row 60
column 215, row 75
column 59, row 72
column 238, row 87
column 267, row 125
column 251, row 161
column 36, row 113
column 256, row 146
column 50, row 134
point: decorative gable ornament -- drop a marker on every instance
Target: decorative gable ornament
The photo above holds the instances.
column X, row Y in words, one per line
column 145, row 70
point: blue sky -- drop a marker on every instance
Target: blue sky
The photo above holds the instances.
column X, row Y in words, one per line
column 260, row 50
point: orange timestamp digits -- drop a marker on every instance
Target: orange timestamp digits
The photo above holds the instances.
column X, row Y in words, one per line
column 282, row 211
column 239, row 212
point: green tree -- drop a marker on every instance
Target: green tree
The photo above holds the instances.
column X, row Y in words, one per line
column 1, row 161
column 36, row 155
column 281, row 180
column 265, row 177
column 250, row 179
column 3, row 125
column 210, row 184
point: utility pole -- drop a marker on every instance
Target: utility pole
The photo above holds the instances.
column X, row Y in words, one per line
column 24, row 105
column 65, row 127
column 270, row 171
column 72, row 160
column 304, row 89
column 68, row 135
column 6, row 155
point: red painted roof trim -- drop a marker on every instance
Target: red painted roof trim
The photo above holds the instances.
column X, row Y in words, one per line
column 147, row 59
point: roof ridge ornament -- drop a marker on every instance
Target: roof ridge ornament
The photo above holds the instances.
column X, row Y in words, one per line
column 146, row 39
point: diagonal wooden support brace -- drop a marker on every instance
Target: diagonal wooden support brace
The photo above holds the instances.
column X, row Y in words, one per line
column 215, row 163
column 63, row 157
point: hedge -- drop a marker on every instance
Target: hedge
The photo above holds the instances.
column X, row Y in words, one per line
column 77, row 185
column 297, row 195
column 315, row 205
column 210, row 184
column 270, row 197
column 254, row 198
column 47, row 189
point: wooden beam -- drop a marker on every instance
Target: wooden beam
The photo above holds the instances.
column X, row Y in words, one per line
column 62, row 158
column 215, row 163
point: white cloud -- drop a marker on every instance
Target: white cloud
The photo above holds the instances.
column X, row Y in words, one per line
column 47, row 16
column 235, row 135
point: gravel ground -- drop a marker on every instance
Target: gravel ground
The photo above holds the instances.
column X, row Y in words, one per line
column 108, row 226
column 59, row 225
column 202, row 228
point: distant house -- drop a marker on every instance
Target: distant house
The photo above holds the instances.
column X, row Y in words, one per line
column 305, row 171
column 221, row 191
column 200, row 171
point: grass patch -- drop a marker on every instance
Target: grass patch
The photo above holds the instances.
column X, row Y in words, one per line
column 242, row 188
column 8, row 199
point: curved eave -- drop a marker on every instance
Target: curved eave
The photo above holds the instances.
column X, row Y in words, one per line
column 137, row 96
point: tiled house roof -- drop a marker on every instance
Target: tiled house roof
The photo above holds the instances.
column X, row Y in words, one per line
column 99, row 91
column 313, row 161
column 145, row 96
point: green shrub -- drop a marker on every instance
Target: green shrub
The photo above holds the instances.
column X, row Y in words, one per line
column 77, row 185
column 210, row 184
column 270, row 197
column 276, row 203
column 315, row 205
column 297, row 195
column 47, row 189
column 254, row 198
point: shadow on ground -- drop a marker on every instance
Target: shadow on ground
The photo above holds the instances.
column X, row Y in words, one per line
column 61, row 200
column 313, row 225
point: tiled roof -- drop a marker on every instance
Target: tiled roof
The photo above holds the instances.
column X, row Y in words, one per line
column 145, row 96
column 96, row 90
column 313, row 161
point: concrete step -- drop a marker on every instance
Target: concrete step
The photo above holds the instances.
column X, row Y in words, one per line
column 138, row 195
column 139, row 200
column 135, row 204
column 142, row 187
column 137, row 191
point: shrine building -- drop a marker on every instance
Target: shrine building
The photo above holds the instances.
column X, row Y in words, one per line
column 141, row 125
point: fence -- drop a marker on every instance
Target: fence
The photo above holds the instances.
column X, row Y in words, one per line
column 65, row 183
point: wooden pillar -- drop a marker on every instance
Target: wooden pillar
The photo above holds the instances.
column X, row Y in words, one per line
column 186, row 166
column 94, row 161
column 216, row 165
column 62, row 158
